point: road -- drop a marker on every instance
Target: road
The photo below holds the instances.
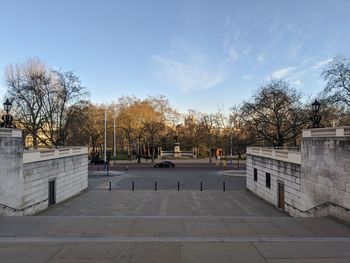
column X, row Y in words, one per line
column 189, row 177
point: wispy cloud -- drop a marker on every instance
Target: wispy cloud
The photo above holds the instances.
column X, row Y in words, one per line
column 297, row 82
column 2, row 91
column 233, row 54
column 282, row 72
column 321, row 63
column 293, row 50
column 231, row 39
column 247, row 77
column 275, row 25
column 188, row 76
column 260, row 58
column 233, row 32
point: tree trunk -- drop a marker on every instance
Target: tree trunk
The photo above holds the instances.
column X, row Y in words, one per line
column 35, row 139
column 152, row 153
column 130, row 150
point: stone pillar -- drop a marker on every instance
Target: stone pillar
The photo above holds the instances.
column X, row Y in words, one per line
column 177, row 152
column 160, row 152
column 194, row 151
column 326, row 170
column 11, row 170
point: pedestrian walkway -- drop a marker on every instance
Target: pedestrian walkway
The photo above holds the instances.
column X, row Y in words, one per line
column 164, row 203
column 171, row 229
column 172, row 239
column 186, row 226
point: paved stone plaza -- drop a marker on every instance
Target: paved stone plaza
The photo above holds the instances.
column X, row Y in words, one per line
column 171, row 226
column 172, row 239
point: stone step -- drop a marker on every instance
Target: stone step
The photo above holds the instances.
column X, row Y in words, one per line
column 174, row 228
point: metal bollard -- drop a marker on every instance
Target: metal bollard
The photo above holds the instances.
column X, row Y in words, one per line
column 110, row 186
column 133, row 186
column 178, row 185
column 155, row 186
column 201, row 186
column 223, row 186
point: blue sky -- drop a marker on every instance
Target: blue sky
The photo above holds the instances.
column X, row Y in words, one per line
column 199, row 54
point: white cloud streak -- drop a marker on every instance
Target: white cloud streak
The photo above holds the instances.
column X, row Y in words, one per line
column 188, row 76
column 293, row 50
column 247, row 77
column 321, row 63
column 283, row 72
column 231, row 39
column 233, row 54
column 260, row 58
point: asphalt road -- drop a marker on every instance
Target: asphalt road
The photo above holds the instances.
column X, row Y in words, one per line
column 189, row 177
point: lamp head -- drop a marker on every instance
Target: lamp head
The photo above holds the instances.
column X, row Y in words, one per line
column 316, row 106
column 7, row 105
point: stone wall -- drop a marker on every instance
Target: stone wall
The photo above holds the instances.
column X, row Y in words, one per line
column 317, row 184
column 11, row 170
column 326, row 169
column 70, row 174
column 25, row 176
column 288, row 173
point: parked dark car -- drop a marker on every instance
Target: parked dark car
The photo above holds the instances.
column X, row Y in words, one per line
column 96, row 161
column 167, row 164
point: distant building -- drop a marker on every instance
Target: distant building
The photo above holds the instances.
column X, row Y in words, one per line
column 189, row 120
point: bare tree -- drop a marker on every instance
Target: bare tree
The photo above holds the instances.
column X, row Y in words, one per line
column 26, row 84
column 275, row 113
column 78, row 126
column 42, row 99
column 153, row 129
column 208, row 124
column 65, row 92
column 337, row 75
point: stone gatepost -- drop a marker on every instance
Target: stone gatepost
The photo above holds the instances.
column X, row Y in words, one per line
column 177, row 152
column 11, row 171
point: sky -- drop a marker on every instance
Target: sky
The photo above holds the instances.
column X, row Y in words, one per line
column 200, row 54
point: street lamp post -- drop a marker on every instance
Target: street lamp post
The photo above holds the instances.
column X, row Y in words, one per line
column 206, row 121
column 316, row 118
column 231, row 148
column 114, row 142
column 105, row 144
column 139, row 149
column 7, row 119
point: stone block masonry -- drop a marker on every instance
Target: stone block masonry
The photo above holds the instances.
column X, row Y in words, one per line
column 11, row 167
column 326, row 166
column 316, row 180
column 69, row 173
column 25, row 175
column 288, row 173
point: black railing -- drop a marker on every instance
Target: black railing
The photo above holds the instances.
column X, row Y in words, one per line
column 200, row 185
column 22, row 209
column 320, row 206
